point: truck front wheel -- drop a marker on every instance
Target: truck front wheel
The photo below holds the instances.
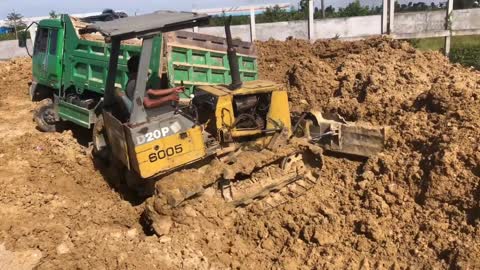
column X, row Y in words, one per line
column 45, row 116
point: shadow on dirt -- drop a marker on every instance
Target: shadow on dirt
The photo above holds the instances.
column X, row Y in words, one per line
column 473, row 214
column 81, row 134
column 116, row 177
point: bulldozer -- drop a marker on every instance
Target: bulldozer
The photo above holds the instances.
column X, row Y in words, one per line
column 239, row 138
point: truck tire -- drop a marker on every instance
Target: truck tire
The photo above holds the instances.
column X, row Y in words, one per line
column 45, row 116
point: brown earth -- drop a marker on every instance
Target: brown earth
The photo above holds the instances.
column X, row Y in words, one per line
column 416, row 205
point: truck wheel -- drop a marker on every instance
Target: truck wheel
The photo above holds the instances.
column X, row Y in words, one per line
column 45, row 116
column 100, row 147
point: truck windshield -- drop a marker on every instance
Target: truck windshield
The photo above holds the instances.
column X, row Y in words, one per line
column 41, row 41
column 53, row 41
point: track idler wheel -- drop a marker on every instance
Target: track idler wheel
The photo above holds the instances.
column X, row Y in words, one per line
column 292, row 163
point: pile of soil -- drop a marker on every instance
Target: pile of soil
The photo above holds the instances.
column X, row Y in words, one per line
column 419, row 201
column 58, row 209
column 417, row 204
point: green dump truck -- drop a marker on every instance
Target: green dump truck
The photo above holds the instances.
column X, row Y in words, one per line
column 70, row 67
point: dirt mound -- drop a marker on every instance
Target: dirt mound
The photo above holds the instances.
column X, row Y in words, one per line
column 421, row 196
column 415, row 205
column 60, row 210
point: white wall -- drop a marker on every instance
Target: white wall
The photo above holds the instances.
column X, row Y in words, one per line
column 353, row 27
column 466, row 19
column 406, row 25
column 238, row 31
column 264, row 31
column 423, row 21
column 282, row 30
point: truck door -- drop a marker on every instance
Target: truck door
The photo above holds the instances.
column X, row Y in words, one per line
column 39, row 60
column 54, row 58
column 47, row 57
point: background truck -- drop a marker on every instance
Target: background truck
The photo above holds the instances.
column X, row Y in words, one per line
column 70, row 66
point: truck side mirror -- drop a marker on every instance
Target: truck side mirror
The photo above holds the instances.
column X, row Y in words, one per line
column 22, row 39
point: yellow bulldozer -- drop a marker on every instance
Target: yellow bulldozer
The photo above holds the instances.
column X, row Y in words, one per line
column 240, row 138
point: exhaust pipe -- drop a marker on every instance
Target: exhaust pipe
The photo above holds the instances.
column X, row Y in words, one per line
column 232, row 57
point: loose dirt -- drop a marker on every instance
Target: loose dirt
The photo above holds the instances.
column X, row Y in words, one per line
column 416, row 205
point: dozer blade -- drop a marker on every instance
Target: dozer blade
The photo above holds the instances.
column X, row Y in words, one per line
column 339, row 136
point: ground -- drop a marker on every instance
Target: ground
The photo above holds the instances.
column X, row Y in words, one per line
column 416, row 205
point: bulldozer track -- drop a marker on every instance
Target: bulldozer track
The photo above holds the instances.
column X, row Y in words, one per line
column 266, row 179
column 283, row 195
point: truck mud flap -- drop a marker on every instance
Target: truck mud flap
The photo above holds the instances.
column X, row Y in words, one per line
column 116, row 138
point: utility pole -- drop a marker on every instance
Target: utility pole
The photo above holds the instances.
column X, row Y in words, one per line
column 391, row 17
column 253, row 34
column 323, row 8
column 385, row 17
column 448, row 27
column 310, row 20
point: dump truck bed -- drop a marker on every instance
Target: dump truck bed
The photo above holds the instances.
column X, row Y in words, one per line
column 195, row 59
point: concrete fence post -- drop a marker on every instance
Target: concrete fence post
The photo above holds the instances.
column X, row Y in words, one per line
column 195, row 29
column 323, row 9
column 391, row 17
column 385, row 17
column 253, row 33
column 448, row 26
column 310, row 20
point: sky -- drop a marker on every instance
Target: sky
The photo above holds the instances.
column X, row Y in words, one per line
column 29, row 8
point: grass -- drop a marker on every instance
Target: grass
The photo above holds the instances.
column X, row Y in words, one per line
column 461, row 42
column 464, row 49
column 9, row 36
column 12, row 36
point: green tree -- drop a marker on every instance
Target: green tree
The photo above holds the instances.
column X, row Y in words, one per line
column 462, row 4
column 330, row 9
column 273, row 14
column 15, row 21
column 354, row 9
column 303, row 5
column 53, row 14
